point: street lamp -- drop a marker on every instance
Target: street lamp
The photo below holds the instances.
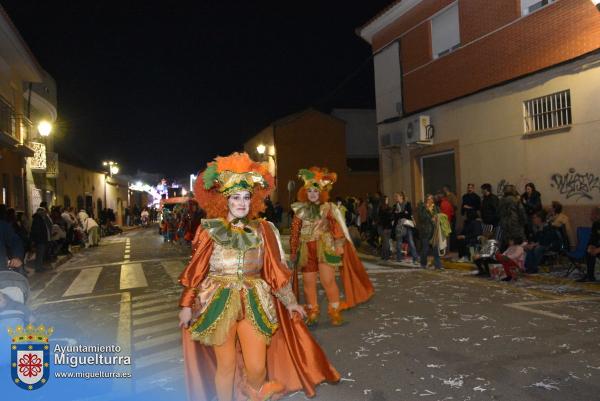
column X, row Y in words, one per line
column 261, row 149
column 113, row 167
column 44, row 128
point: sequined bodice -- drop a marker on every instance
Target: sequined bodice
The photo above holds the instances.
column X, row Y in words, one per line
column 226, row 261
column 313, row 229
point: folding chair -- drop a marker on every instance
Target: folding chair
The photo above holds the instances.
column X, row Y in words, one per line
column 577, row 256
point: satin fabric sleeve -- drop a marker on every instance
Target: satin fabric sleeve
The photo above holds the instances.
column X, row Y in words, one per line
column 337, row 231
column 295, row 237
column 274, row 271
column 197, row 269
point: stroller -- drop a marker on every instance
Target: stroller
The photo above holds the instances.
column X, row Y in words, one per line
column 14, row 292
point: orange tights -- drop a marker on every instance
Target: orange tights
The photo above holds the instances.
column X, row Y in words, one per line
column 254, row 351
column 327, row 277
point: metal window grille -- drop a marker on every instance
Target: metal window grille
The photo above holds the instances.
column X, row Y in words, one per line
column 548, row 112
column 529, row 6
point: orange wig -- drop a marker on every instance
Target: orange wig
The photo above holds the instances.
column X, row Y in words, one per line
column 303, row 196
column 209, row 194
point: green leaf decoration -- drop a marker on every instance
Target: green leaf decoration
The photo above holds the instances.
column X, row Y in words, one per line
column 306, row 174
column 210, row 176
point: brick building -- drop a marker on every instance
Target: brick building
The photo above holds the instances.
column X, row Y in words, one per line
column 305, row 139
column 489, row 91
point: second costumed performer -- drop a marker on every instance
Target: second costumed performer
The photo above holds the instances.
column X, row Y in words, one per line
column 320, row 243
column 243, row 333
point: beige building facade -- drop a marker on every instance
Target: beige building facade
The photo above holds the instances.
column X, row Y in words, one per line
column 92, row 190
column 482, row 139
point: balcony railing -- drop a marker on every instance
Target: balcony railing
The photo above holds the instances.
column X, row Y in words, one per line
column 7, row 118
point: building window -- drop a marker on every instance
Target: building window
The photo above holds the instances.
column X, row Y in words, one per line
column 445, row 31
column 548, row 112
column 529, row 6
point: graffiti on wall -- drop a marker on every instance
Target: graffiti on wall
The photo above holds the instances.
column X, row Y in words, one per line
column 574, row 184
column 519, row 184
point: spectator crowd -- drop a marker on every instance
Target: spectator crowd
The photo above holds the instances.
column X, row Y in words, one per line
column 52, row 232
column 510, row 230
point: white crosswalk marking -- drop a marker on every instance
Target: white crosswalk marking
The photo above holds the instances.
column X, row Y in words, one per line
column 173, row 268
column 158, row 358
column 153, row 318
column 157, row 341
column 157, row 328
column 158, row 299
column 84, row 283
column 132, row 276
column 154, row 309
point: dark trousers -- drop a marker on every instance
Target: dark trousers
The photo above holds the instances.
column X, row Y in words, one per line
column 591, row 265
column 463, row 248
column 534, row 258
column 385, row 235
column 40, row 255
column 425, row 246
column 483, row 265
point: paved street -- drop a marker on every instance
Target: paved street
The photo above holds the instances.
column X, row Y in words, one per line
column 425, row 336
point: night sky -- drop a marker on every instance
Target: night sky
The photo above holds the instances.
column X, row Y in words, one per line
column 165, row 86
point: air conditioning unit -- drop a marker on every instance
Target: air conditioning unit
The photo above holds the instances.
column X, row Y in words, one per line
column 391, row 140
column 419, row 130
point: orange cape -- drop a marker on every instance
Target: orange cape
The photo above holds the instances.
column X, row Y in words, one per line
column 293, row 358
column 357, row 285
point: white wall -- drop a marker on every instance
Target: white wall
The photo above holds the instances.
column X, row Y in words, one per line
column 493, row 148
column 361, row 132
column 388, row 90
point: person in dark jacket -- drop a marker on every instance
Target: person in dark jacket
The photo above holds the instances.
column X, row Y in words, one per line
column 489, row 206
column 384, row 227
column 531, row 199
column 512, row 216
column 593, row 248
column 11, row 247
column 470, row 200
column 469, row 236
column 532, row 202
column 426, row 220
column 403, row 227
column 41, row 231
column 544, row 238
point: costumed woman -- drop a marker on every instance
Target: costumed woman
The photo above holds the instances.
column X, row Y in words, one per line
column 243, row 333
column 320, row 243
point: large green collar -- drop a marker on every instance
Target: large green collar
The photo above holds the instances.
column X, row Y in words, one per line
column 231, row 237
column 308, row 210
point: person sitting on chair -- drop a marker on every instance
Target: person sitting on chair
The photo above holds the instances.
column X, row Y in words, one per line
column 544, row 238
column 593, row 248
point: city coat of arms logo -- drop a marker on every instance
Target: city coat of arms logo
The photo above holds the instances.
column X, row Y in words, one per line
column 30, row 356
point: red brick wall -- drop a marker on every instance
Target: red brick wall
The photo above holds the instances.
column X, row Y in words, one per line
column 409, row 20
column 414, row 56
column 479, row 20
column 560, row 32
column 315, row 139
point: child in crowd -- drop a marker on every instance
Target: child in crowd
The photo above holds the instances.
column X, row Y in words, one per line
column 513, row 259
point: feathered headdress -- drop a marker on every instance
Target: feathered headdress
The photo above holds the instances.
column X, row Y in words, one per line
column 317, row 177
column 229, row 174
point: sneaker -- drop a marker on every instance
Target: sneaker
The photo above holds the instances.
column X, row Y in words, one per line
column 463, row 260
column 507, row 279
column 586, row 280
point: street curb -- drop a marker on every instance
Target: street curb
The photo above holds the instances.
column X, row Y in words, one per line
column 532, row 277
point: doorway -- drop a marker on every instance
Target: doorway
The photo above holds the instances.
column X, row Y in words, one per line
column 437, row 170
